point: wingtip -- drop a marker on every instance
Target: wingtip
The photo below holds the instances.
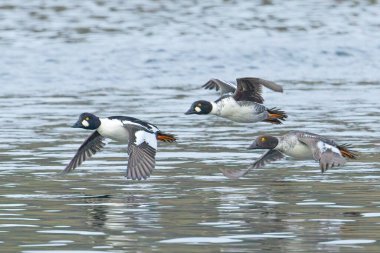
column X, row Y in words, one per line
column 272, row 85
column 62, row 173
column 137, row 178
column 137, row 175
column 67, row 170
column 234, row 173
column 277, row 88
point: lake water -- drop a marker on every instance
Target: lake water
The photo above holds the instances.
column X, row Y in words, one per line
column 148, row 59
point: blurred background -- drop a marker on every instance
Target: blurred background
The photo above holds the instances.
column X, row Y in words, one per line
column 62, row 45
column 148, row 59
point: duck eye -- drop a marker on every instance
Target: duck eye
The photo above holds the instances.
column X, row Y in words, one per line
column 199, row 105
column 263, row 139
column 87, row 118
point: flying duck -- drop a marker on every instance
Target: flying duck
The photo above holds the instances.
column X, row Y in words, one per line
column 299, row 145
column 140, row 135
column 241, row 103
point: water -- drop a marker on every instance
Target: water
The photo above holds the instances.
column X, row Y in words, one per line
column 147, row 59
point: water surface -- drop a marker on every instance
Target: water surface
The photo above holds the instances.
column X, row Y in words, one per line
column 148, row 59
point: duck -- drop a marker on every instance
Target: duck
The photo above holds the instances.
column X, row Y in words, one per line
column 140, row 136
column 299, row 145
column 240, row 103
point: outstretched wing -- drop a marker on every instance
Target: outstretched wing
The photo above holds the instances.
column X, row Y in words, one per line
column 142, row 149
column 250, row 89
column 324, row 151
column 224, row 87
column 90, row 146
column 329, row 159
column 269, row 156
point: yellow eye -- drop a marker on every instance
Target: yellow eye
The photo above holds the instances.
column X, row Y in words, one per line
column 199, row 105
column 87, row 118
column 263, row 139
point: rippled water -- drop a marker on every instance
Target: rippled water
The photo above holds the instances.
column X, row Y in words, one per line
column 148, row 59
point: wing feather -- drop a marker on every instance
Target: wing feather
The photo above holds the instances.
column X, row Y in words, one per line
column 142, row 151
column 324, row 151
column 250, row 89
column 218, row 84
column 90, row 146
column 267, row 157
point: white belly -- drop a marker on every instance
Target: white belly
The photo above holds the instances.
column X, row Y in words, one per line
column 239, row 114
column 300, row 151
column 231, row 110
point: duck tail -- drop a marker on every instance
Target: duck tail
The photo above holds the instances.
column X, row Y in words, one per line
column 276, row 116
column 165, row 137
column 346, row 152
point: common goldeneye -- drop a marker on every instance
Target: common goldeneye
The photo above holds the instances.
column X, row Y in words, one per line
column 241, row 103
column 299, row 145
column 141, row 137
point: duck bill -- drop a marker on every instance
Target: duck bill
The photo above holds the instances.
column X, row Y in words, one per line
column 77, row 124
column 190, row 111
column 253, row 146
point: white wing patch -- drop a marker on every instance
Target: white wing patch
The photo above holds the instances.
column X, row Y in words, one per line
column 149, row 138
column 323, row 147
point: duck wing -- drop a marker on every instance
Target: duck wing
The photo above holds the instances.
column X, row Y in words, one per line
column 142, row 148
column 223, row 86
column 269, row 156
column 90, row 146
column 324, row 150
column 250, row 89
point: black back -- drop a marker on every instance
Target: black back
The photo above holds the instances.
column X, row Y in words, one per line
column 138, row 121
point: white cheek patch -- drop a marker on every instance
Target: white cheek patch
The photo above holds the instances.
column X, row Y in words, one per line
column 197, row 109
column 85, row 123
